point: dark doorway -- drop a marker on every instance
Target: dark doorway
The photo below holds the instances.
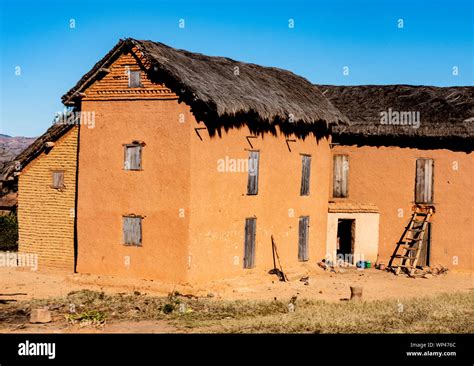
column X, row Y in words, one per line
column 345, row 239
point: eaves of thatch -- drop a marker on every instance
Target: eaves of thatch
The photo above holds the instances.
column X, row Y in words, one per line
column 446, row 115
column 224, row 91
column 54, row 133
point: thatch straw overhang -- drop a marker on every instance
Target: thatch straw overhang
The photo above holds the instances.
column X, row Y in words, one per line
column 40, row 145
column 446, row 115
column 224, row 93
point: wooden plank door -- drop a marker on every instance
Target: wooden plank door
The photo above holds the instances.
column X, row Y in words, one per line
column 303, row 239
column 250, row 234
column 424, row 259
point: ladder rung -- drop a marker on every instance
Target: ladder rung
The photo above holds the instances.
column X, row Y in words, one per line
column 402, row 243
column 407, row 242
column 412, row 246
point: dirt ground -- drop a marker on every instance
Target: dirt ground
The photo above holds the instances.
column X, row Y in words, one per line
column 18, row 285
column 142, row 326
column 323, row 285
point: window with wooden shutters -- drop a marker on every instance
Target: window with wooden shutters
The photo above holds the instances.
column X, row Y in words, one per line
column 58, row 179
column 303, row 234
column 340, row 176
column 132, row 230
column 250, row 233
column 133, row 157
column 305, row 175
column 252, row 183
column 134, row 79
column 424, row 181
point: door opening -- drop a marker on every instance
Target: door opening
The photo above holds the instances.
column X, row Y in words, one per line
column 424, row 259
column 345, row 240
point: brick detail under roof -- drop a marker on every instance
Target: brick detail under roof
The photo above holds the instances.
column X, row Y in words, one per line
column 351, row 207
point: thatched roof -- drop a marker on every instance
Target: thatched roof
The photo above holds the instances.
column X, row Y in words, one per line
column 209, row 85
column 446, row 115
column 36, row 148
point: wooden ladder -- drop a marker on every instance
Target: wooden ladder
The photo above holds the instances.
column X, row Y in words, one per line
column 408, row 248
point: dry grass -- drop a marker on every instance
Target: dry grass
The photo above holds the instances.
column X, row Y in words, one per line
column 446, row 313
column 443, row 314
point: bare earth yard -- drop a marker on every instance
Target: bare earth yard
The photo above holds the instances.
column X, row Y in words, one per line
column 255, row 303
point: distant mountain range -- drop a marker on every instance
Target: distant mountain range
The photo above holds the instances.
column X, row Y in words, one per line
column 10, row 147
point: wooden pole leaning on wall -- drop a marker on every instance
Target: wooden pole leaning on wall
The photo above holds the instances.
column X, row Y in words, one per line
column 278, row 271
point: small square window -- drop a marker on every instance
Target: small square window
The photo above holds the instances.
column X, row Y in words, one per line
column 132, row 230
column 58, row 179
column 133, row 157
column 134, row 79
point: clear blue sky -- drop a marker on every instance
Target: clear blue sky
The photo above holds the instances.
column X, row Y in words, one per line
column 327, row 35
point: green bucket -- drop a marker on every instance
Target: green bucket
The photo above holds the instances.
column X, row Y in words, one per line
column 368, row 264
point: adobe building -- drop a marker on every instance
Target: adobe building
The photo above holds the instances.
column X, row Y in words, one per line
column 182, row 167
column 46, row 173
column 161, row 189
column 404, row 145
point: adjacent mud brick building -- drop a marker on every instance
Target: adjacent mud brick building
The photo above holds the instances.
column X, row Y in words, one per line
column 192, row 163
column 422, row 155
column 47, row 197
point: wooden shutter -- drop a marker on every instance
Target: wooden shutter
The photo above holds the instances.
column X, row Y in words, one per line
column 132, row 230
column 340, row 175
column 133, row 157
column 424, row 181
column 305, row 175
column 127, row 236
column 303, row 234
column 134, row 79
column 250, row 232
column 58, row 179
column 252, row 183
